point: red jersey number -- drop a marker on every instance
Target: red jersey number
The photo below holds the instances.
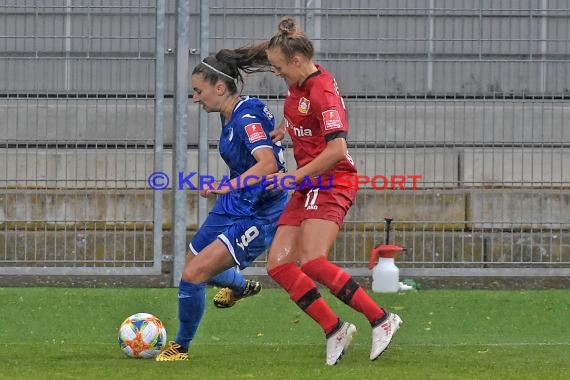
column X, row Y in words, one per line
column 338, row 93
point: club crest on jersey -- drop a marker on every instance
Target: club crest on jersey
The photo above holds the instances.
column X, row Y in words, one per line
column 255, row 132
column 331, row 118
column 304, row 105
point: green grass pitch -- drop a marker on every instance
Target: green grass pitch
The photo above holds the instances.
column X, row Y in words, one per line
column 56, row 333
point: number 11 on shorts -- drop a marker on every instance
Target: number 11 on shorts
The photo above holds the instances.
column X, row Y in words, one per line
column 312, row 199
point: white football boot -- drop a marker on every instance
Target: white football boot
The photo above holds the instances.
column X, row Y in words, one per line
column 382, row 335
column 339, row 342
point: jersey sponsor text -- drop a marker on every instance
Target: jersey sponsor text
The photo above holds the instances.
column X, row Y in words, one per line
column 302, row 132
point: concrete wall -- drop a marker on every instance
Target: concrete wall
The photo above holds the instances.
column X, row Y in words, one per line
column 451, row 228
column 383, row 122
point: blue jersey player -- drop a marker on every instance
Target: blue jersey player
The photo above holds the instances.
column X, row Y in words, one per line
column 243, row 221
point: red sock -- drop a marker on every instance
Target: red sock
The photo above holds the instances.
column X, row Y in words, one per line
column 304, row 293
column 343, row 287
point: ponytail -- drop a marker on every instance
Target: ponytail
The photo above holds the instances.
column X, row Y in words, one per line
column 227, row 65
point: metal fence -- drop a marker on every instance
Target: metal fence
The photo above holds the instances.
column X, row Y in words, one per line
column 473, row 96
column 77, row 130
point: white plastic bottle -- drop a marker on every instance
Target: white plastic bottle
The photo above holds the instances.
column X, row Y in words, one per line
column 386, row 276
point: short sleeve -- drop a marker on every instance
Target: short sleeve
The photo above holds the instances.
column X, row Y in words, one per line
column 328, row 108
column 253, row 131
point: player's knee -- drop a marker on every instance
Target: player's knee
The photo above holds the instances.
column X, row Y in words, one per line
column 277, row 257
column 193, row 274
column 187, row 276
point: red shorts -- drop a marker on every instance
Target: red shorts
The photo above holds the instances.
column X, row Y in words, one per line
column 328, row 204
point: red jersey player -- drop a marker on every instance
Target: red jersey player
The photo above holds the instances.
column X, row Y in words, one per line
column 314, row 115
column 316, row 120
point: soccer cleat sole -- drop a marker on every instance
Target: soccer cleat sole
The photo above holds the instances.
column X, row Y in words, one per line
column 223, row 299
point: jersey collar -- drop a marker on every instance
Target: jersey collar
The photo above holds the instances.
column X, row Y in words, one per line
column 242, row 100
column 318, row 72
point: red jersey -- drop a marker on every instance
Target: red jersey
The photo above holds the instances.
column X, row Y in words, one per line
column 315, row 114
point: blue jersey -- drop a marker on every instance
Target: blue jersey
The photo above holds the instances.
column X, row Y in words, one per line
column 246, row 131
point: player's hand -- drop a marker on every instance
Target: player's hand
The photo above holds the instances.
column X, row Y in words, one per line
column 278, row 133
column 215, row 189
column 204, row 193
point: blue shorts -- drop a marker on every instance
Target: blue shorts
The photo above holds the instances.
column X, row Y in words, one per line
column 245, row 238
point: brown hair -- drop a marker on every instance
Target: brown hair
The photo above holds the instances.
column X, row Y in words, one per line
column 227, row 65
column 291, row 41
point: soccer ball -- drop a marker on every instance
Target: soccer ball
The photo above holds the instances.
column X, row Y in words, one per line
column 142, row 335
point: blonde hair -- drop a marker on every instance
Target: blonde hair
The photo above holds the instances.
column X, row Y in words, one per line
column 290, row 40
